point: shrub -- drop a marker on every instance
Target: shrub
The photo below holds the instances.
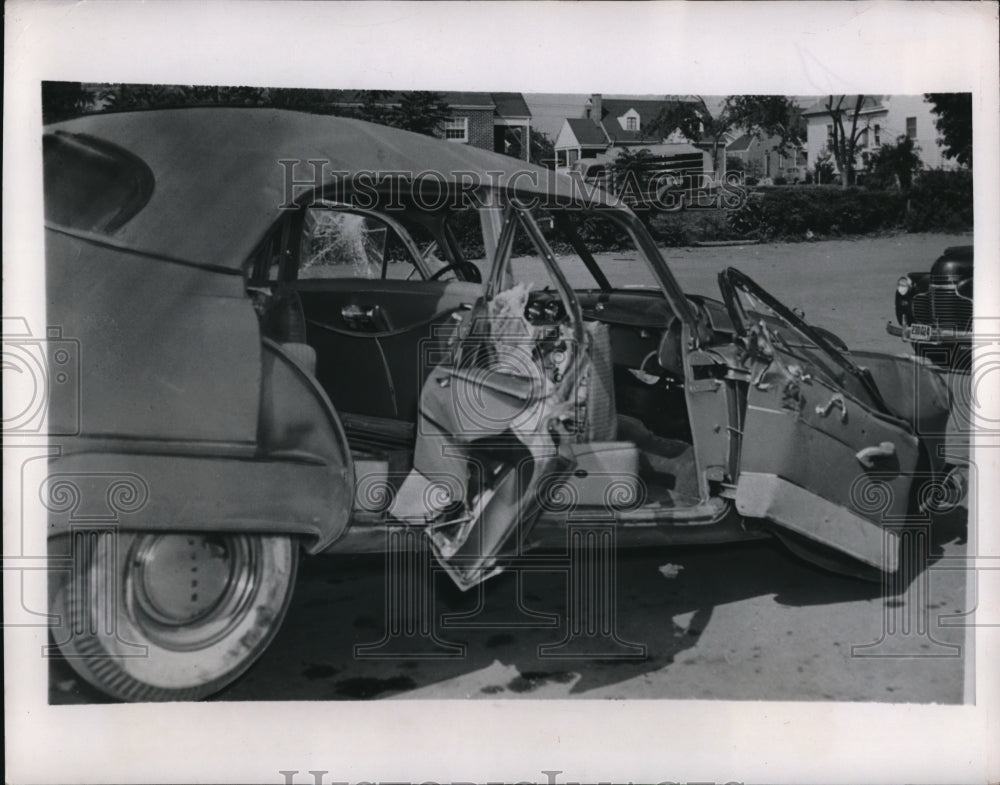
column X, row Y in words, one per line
column 691, row 226
column 940, row 200
column 792, row 213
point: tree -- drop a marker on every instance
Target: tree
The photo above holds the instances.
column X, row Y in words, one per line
column 735, row 164
column 375, row 107
column 823, row 170
column 954, row 124
column 843, row 143
column 124, row 97
column 631, row 171
column 542, row 150
column 421, row 111
column 768, row 115
column 63, row 100
column 301, row 99
column 694, row 119
column 894, row 165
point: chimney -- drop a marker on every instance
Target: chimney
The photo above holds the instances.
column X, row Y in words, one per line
column 594, row 109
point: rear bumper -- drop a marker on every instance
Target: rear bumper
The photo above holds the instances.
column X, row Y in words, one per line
column 927, row 333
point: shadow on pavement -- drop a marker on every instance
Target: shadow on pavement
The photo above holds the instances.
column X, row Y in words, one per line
column 505, row 640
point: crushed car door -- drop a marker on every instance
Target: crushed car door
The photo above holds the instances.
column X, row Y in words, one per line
column 497, row 416
column 821, row 454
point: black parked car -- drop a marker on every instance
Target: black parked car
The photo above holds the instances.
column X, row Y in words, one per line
column 934, row 309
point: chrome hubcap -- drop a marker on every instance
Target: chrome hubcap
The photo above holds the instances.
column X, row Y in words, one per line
column 186, row 591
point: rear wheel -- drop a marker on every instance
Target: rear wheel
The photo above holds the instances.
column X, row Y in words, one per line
column 151, row 617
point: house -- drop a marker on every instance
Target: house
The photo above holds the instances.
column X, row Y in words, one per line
column 610, row 125
column 491, row 121
column 883, row 119
column 500, row 122
column 760, row 157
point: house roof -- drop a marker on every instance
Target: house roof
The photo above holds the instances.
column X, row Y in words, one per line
column 869, row 103
column 502, row 104
column 467, row 99
column 511, row 105
column 740, row 144
column 613, row 108
column 587, row 132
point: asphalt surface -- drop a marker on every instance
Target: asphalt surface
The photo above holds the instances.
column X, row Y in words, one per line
column 725, row 622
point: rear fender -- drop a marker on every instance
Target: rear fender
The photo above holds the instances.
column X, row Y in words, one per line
column 298, row 480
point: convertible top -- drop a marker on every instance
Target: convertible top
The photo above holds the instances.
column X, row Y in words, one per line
column 218, row 184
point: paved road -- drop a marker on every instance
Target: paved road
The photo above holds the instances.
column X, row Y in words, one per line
column 747, row 622
column 727, row 622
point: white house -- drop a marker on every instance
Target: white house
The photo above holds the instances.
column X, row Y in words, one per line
column 591, row 144
column 883, row 118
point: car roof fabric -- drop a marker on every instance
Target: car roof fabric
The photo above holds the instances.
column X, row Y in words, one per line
column 219, row 183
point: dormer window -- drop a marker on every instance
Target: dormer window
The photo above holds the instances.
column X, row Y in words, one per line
column 630, row 120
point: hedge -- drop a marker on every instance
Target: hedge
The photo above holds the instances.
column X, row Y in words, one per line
column 938, row 201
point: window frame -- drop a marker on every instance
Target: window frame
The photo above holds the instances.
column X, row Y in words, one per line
column 457, row 124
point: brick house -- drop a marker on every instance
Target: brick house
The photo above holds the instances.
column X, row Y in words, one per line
column 491, row 121
column 883, row 119
column 500, row 122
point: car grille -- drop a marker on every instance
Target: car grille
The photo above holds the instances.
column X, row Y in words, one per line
column 941, row 306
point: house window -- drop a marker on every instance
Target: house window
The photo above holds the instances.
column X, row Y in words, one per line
column 911, row 127
column 863, row 139
column 456, row 129
column 878, row 134
column 572, row 156
column 829, row 133
column 631, row 123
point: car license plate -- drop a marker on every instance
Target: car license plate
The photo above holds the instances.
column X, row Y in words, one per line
column 920, row 332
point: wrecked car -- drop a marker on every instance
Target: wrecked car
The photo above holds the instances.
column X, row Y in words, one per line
column 300, row 333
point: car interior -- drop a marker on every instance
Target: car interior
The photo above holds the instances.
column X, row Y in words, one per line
column 354, row 297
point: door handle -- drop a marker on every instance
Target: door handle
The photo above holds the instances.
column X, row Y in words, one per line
column 361, row 317
column 868, row 455
column 836, row 401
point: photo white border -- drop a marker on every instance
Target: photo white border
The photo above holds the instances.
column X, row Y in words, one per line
column 664, row 48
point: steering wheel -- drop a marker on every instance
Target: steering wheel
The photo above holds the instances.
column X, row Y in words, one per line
column 469, row 271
